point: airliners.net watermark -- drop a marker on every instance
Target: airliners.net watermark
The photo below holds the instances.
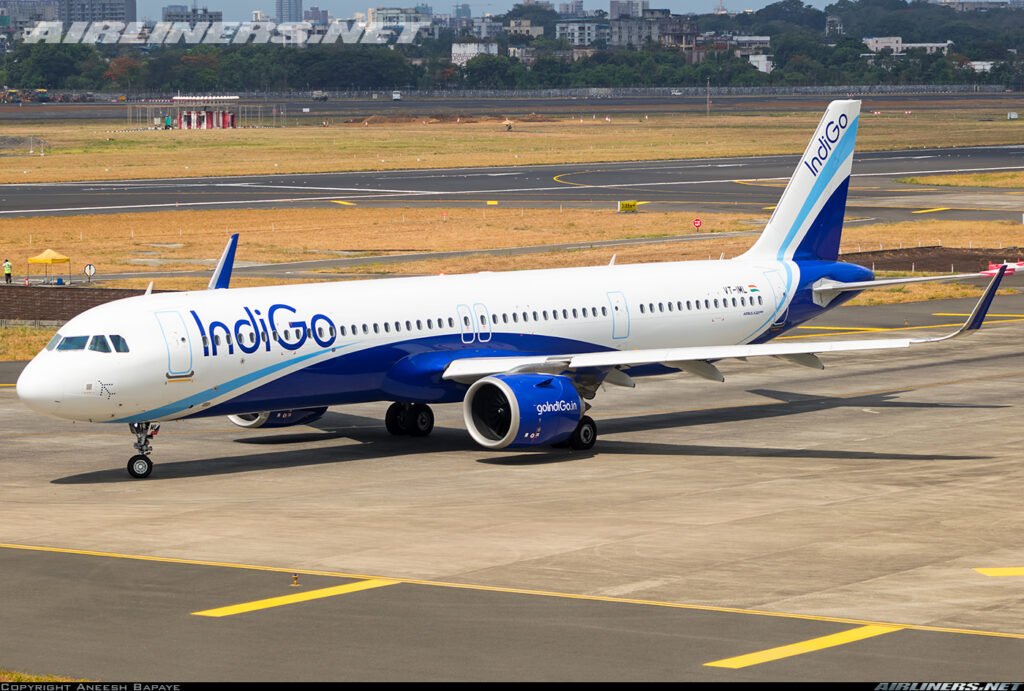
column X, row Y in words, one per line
column 222, row 33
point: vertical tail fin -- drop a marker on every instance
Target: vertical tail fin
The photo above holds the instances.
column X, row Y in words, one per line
column 808, row 221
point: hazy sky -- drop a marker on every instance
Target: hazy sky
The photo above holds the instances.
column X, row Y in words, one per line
column 241, row 10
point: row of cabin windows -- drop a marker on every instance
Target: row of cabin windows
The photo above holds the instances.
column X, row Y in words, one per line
column 705, row 304
column 409, row 325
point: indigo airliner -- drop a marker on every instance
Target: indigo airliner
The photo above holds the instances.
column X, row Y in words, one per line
column 523, row 351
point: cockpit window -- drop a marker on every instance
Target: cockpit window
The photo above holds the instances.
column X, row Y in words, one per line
column 120, row 345
column 99, row 344
column 73, row 343
column 54, row 341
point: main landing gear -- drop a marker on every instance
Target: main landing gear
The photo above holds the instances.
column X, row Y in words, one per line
column 583, row 437
column 140, row 466
column 414, row 419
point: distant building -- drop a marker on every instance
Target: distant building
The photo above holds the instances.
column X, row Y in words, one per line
column 184, row 13
column 289, row 10
column 464, row 52
column 18, row 15
column 260, row 16
column 574, row 8
column 96, row 10
column 523, row 27
column 750, row 45
column 315, row 15
column 485, row 27
column 627, row 8
column 763, row 63
column 834, row 26
column 654, row 26
column 463, row 11
column 876, row 44
column 583, row 32
column 396, row 16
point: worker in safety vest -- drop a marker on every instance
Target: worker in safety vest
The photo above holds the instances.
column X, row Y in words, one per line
column 7, row 271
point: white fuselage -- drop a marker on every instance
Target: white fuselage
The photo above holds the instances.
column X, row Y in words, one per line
column 275, row 348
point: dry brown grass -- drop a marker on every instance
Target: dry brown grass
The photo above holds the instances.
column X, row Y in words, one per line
column 91, row 151
column 22, row 343
column 195, row 239
column 1009, row 180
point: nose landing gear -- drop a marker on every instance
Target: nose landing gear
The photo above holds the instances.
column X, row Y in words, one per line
column 139, row 466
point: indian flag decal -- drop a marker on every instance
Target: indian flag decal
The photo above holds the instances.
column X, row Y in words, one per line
column 753, row 288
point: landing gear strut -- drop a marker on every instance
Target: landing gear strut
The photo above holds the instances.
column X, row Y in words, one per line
column 140, row 466
column 414, row 419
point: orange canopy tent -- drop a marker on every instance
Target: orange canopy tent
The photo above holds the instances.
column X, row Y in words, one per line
column 48, row 259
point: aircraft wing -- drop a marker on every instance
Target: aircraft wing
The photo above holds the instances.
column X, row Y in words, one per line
column 698, row 359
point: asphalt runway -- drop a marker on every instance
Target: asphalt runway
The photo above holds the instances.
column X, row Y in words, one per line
column 789, row 524
column 700, row 185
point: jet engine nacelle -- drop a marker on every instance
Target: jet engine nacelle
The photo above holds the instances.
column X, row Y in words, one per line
column 278, row 418
column 515, row 410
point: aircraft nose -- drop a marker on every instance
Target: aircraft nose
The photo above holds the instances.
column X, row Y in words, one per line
column 40, row 390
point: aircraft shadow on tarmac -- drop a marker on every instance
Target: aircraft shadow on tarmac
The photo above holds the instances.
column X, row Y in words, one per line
column 376, row 443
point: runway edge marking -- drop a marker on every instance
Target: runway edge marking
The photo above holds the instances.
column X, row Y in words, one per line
column 520, row 591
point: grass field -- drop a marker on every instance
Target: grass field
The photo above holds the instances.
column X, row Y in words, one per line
column 1007, row 180
column 94, row 151
column 180, row 240
column 7, row 675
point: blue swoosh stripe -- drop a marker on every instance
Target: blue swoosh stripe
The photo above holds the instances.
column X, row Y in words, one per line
column 215, row 392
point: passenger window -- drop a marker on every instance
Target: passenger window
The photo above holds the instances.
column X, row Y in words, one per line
column 419, row 325
column 430, row 323
column 465, row 320
column 760, row 300
column 734, row 302
column 604, row 311
column 387, row 328
column 565, row 314
column 54, row 341
column 341, row 330
column 216, row 339
column 526, row 317
column 661, row 306
column 545, row 315
column 535, row 316
column 120, row 345
column 575, row 314
column 554, row 314
column 483, row 319
column 366, row 329
column 376, row 328
column 688, row 306
column 99, row 344
column 451, row 322
column 408, row 325
column 643, row 309
column 515, row 317
column 584, row 312
column 716, row 303
column 227, row 338
column 670, row 307
column 206, row 342
column 707, row 304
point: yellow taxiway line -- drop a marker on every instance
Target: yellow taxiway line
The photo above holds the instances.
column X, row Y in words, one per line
column 1004, row 571
column 6, row 385
column 931, row 211
column 525, row 591
column 296, row 598
column 831, row 641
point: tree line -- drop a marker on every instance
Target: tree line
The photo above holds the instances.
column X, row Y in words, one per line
column 803, row 56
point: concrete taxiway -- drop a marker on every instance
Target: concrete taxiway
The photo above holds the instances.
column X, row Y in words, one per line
column 721, row 184
column 859, row 523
